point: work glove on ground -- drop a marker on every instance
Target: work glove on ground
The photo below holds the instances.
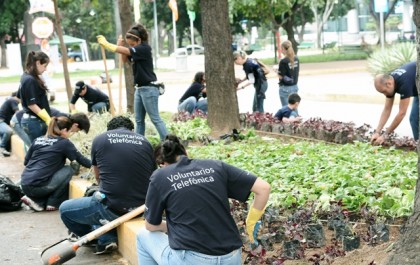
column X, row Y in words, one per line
column 103, row 42
column 43, row 114
column 252, row 224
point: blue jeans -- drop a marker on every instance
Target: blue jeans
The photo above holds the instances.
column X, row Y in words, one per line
column 34, row 127
column 5, row 133
column 19, row 131
column 55, row 192
column 414, row 118
column 188, row 105
column 81, row 215
column 100, row 107
column 202, row 105
column 285, row 91
column 153, row 248
column 146, row 101
column 258, row 103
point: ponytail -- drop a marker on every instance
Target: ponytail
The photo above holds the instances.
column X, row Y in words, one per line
column 169, row 150
column 57, row 124
column 290, row 53
column 30, row 65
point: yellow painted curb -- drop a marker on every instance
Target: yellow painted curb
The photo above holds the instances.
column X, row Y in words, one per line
column 127, row 244
column 18, row 147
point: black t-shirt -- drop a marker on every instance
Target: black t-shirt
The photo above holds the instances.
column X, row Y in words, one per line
column 405, row 80
column 30, row 93
column 195, row 194
column 8, row 109
column 141, row 56
column 193, row 91
column 46, row 156
column 93, row 95
column 285, row 69
column 125, row 161
column 283, row 113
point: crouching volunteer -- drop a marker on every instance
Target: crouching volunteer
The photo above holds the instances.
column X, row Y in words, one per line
column 123, row 163
column 45, row 179
column 194, row 194
column 96, row 100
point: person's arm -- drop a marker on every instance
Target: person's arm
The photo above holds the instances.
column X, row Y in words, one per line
column 403, row 106
column 96, row 172
column 298, row 118
column 122, row 43
column 161, row 227
column 261, row 190
column 386, row 112
column 72, row 107
column 41, row 113
column 113, row 47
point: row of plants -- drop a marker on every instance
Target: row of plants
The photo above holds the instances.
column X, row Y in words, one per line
column 319, row 129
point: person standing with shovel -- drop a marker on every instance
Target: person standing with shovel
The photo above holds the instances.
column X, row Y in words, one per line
column 146, row 97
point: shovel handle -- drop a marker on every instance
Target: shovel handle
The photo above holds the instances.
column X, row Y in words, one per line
column 111, row 225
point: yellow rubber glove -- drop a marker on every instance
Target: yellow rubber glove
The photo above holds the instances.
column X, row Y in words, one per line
column 253, row 216
column 109, row 46
column 43, row 114
column 74, row 111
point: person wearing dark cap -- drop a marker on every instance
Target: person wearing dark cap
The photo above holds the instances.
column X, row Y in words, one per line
column 7, row 110
column 96, row 100
column 139, row 55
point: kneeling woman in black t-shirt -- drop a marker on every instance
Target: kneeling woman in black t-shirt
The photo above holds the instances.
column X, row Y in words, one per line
column 45, row 180
column 194, row 194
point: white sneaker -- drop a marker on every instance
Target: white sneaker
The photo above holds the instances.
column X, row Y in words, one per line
column 33, row 205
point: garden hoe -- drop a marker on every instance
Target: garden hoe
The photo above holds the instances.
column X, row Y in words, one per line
column 65, row 250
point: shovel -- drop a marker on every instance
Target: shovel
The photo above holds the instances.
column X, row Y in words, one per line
column 65, row 250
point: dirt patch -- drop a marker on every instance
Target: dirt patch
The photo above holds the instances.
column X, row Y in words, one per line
column 365, row 255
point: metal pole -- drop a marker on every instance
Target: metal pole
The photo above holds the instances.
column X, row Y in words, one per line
column 192, row 36
column 381, row 18
column 156, row 33
column 174, row 29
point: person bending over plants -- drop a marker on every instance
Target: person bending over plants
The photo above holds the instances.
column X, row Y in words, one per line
column 194, row 194
column 45, row 179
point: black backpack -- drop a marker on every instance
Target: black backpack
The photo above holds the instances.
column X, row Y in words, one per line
column 10, row 195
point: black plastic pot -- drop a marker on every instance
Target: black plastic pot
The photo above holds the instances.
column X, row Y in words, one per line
column 292, row 249
column 315, row 236
column 351, row 242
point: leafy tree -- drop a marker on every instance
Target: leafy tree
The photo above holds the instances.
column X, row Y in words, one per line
column 86, row 19
column 323, row 9
column 164, row 14
column 407, row 248
column 376, row 16
column 11, row 18
column 221, row 90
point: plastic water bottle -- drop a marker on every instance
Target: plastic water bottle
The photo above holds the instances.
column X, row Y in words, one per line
column 99, row 196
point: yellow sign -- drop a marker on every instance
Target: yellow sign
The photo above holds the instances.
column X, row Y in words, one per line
column 42, row 27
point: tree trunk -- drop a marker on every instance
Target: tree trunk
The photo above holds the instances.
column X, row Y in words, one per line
column 288, row 27
column 408, row 246
column 127, row 18
column 3, row 63
column 223, row 115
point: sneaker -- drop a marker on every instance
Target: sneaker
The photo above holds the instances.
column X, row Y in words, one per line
column 104, row 249
column 33, row 205
column 4, row 152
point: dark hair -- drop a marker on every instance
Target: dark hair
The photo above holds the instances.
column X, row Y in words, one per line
column 82, row 120
column 120, row 121
column 30, row 65
column 168, row 150
column 57, row 124
column 199, row 77
column 293, row 98
column 139, row 31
